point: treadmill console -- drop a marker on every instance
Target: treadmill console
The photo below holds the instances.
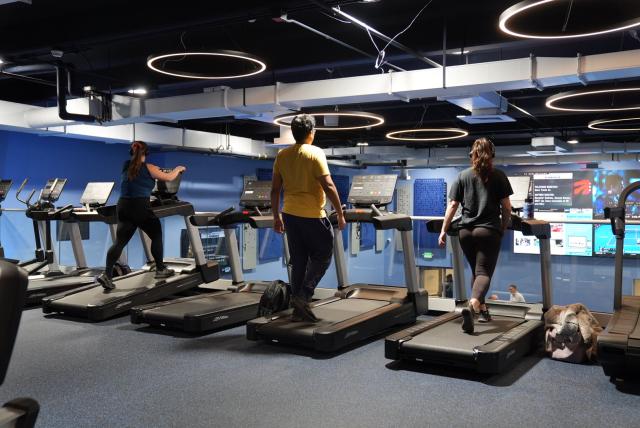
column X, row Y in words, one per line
column 53, row 189
column 372, row 189
column 97, row 194
column 167, row 189
column 5, row 185
column 256, row 194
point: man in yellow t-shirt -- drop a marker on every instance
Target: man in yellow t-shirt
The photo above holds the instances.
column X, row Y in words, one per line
column 302, row 171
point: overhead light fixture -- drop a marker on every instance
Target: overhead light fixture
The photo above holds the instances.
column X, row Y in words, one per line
column 573, row 141
column 460, row 52
column 602, row 124
column 252, row 64
column 369, row 120
column 1, row 61
column 137, row 91
column 554, row 101
column 362, row 144
column 369, row 1
column 520, row 9
column 455, row 133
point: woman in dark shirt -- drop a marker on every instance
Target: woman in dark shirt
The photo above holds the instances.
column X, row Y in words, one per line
column 484, row 194
column 138, row 180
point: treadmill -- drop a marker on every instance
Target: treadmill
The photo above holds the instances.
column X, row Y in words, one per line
column 45, row 263
column 95, row 196
column 137, row 288
column 359, row 311
column 619, row 343
column 236, row 304
column 5, row 185
column 516, row 328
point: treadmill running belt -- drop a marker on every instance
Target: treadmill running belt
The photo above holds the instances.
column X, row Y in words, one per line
column 61, row 282
column 329, row 314
column 200, row 305
column 449, row 337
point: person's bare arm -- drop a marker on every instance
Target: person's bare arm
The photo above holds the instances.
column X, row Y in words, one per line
column 276, row 191
column 505, row 205
column 159, row 174
column 448, row 217
column 332, row 193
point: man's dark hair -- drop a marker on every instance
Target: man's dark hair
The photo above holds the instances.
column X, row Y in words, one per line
column 515, row 287
column 301, row 126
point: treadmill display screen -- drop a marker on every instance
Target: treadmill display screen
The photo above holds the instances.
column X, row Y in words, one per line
column 5, row 185
column 97, row 193
column 53, row 189
column 372, row 189
column 167, row 188
column 256, row 193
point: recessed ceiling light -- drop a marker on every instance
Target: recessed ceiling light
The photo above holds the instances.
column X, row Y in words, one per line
column 573, row 141
column 523, row 7
column 1, row 61
column 369, row 120
column 158, row 63
column 454, row 134
column 137, row 91
column 362, row 144
column 553, row 101
column 606, row 124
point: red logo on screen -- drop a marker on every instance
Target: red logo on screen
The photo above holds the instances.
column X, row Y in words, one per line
column 582, row 187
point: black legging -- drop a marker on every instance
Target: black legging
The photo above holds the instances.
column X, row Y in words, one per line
column 481, row 247
column 135, row 213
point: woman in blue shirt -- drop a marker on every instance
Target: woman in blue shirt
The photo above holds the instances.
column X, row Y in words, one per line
column 134, row 210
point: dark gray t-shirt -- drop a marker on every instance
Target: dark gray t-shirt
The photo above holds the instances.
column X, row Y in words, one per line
column 480, row 201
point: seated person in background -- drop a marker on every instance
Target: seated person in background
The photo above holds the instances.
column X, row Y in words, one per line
column 516, row 296
column 494, row 297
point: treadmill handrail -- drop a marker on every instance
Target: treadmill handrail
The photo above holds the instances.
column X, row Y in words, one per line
column 617, row 217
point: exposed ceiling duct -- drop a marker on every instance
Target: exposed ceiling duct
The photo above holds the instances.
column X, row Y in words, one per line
column 264, row 102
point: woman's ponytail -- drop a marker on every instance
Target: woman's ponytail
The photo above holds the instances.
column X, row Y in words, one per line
column 138, row 150
column 482, row 154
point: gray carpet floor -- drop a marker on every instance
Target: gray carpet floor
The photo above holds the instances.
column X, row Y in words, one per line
column 115, row 374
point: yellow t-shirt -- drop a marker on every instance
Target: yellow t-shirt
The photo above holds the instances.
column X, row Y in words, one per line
column 300, row 166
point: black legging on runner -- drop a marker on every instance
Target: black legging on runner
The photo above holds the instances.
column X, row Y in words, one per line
column 135, row 213
column 481, row 247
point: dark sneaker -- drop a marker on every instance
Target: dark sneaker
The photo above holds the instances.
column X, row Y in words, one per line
column 484, row 316
column 467, row 319
column 105, row 281
column 164, row 273
column 302, row 310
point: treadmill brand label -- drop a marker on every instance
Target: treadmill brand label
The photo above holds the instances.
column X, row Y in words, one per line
column 220, row 318
column 351, row 333
column 123, row 304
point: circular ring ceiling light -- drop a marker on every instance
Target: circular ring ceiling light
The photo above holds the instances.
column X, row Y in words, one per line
column 555, row 102
column 520, row 10
column 368, row 120
column 239, row 64
column 454, row 134
column 609, row 124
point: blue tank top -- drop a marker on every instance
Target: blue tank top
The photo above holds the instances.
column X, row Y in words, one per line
column 139, row 187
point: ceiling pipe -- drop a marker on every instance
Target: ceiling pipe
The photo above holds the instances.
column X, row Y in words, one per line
column 378, row 34
column 333, row 39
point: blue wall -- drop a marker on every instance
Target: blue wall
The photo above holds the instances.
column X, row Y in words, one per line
column 214, row 183
column 211, row 183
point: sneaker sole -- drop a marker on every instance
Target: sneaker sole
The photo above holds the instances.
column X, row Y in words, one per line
column 467, row 321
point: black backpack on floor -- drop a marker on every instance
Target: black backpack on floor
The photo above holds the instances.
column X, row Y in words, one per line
column 275, row 298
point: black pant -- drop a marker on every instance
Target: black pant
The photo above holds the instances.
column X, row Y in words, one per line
column 481, row 247
column 135, row 213
column 310, row 247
